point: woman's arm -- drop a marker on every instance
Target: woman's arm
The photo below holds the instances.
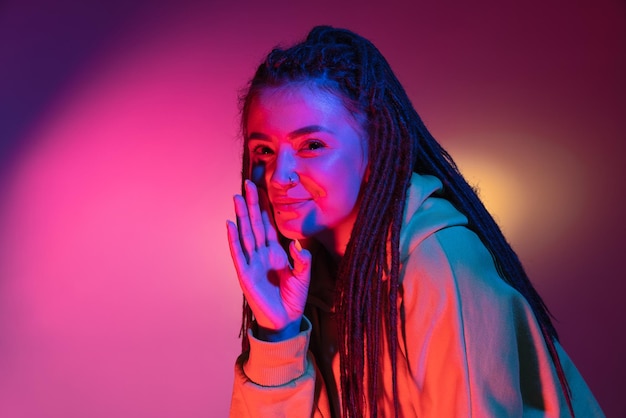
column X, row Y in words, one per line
column 279, row 379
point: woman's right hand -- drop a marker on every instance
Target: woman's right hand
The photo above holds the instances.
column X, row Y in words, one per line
column 275, row 290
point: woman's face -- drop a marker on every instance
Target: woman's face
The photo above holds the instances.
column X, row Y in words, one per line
column 310, row 154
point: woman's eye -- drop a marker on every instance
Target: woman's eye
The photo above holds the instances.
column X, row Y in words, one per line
column 313, row 145
column 262, row 150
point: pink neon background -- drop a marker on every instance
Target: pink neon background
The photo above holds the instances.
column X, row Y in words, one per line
column 120, row 156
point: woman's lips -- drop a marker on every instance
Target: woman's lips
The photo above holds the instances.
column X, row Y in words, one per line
column 288, row 205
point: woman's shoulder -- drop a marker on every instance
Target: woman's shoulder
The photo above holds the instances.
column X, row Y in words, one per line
column 453, row 263
column 438, row 251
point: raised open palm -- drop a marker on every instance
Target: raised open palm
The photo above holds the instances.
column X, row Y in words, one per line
column 275, row 290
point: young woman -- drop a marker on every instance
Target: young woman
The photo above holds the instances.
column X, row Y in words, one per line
column 375, row 282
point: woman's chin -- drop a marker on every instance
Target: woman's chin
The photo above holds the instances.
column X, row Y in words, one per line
column 296, row 229
column 293, row 235
column 296, row 234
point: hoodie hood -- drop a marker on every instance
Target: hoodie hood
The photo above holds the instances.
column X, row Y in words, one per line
column 425, row 213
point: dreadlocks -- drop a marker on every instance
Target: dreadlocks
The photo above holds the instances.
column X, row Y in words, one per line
column 399, row 144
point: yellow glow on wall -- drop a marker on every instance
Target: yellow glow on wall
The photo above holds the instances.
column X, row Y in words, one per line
column 534, row 188
column 502, row 193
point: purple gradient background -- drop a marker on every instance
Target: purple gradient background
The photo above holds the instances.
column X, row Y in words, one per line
column 119, row 157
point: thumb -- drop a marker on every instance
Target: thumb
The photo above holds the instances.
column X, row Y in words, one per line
column 301, row 259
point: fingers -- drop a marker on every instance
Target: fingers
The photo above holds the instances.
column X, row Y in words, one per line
column 246, row 237
column 270, row 231
column 254, row 212
column 236, row 252
column 253, row 225
column 264, row 200
column 301, row 259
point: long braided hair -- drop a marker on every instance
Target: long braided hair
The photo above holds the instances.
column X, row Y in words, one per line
column 399, row 144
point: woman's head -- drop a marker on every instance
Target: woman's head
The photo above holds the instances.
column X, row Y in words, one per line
column 309, row 154
column 345, row 68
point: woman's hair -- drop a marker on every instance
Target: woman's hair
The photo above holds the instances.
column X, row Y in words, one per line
column 399, row 144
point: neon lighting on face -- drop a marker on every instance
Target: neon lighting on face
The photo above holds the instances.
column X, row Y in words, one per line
column 306, row 134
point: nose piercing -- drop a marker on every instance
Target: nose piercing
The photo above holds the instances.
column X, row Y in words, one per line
column 292, row 178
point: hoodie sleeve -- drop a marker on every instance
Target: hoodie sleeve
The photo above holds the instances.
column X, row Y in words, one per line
column 472, row 344
column 279, row 379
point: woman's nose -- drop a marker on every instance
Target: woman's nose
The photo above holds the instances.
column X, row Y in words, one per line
column 285, row 169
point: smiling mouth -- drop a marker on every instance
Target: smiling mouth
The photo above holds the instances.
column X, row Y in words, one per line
column 288, row 205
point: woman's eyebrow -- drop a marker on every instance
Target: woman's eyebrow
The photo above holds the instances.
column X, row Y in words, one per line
column 292, row 135
column 308, row 130
column 258, row 136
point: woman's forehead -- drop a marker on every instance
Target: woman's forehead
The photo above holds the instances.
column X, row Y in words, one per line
column 299, row 101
